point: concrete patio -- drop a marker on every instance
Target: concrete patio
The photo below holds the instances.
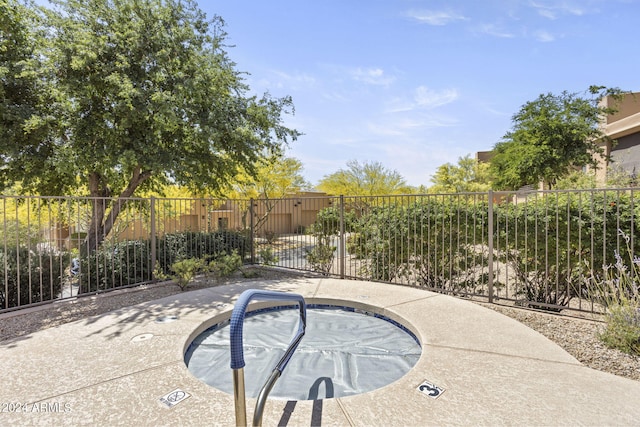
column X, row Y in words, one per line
column 113, row 369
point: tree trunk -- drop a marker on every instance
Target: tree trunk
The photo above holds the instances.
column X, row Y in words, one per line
column 102, row 222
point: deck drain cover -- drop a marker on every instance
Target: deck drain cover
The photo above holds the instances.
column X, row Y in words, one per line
column 166, row 319
column 141, row 337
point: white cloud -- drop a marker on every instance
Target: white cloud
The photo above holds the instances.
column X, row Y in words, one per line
column 290, row 80
column 405, row 126
column 373, row 76
column 334, row 96
column 425, row 97
column 543, row 36
column 494, row 30
column 553, row 10
column 398, row 105
column 438, row 18
column 380, row 129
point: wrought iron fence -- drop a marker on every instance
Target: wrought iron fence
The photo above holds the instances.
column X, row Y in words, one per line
column 61, row 247
column 545, row 249
column 542, row 249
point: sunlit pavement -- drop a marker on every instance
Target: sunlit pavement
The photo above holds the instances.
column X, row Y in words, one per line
column 127, row 368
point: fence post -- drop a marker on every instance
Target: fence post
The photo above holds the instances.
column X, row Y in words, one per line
column 341, row 248
column 251, row 231
column 153, row 235
column 490, row 244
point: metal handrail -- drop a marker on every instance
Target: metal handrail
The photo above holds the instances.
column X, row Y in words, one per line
column 237, row 352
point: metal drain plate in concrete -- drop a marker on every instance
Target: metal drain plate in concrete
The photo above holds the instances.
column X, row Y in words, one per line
column 141, row 337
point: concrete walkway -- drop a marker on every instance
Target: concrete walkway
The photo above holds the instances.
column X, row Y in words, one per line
column 113, row 369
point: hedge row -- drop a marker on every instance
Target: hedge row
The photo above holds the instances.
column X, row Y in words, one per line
column 30, row 276
column 551, row 244
column 128, row 263
column 37, row 276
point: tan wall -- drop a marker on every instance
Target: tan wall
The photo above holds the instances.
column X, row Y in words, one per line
column 629, row 106
column 279, row 223
column 299, row 210
column 624, row 124
column 209, row 215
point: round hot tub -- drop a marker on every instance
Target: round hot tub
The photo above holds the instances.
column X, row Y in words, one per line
column 345, row 351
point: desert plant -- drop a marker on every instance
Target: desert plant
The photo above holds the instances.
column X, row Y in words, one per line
column 190, row 244
column 534, row 239
column 158, row 274
column 268, row 257
column 227, row 264
column 623, row 327
column 431, row 242
column 185, row 270
column 327, row 225
column 618, row 289
column 320, row 257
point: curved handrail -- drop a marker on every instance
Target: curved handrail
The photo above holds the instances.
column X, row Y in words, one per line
column 237, row 352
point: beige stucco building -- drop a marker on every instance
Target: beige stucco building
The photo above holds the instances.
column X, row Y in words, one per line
column 624, row 128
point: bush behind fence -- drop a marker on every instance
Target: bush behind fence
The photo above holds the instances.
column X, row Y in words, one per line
column 537, row 249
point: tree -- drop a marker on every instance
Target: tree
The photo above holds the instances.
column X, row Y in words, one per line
column 146, row 96
column 550, row 136
column 367, row 179
column 275, row 177
column 467, row 176
column 21, row 89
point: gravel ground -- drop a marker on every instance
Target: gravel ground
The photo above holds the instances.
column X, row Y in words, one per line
column 577, row 336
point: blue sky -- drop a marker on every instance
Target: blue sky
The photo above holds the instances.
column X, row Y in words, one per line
column 415, row 84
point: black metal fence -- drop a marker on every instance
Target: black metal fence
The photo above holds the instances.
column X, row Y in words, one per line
column 545, row 249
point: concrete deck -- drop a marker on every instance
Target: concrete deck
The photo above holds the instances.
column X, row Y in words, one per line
column 113, row 369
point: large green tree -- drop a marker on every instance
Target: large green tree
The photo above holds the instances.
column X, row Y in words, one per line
column 23, row 92
column 146, row 95
column 366, row 179
column 550, row 136
column 468, row 175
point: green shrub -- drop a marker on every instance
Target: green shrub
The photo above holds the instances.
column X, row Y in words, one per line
column 115, row 265
column 267, row 256
column 185, row 270
column 356, row 245
column 432, row 242
column 538, row 239
column 623, row 328
column 178, row 246
column 226, row 265
column 320, row 257
column 127, row 263
column 29, row 276
column 327, row 225
column 327, row 222
column 619, row 292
